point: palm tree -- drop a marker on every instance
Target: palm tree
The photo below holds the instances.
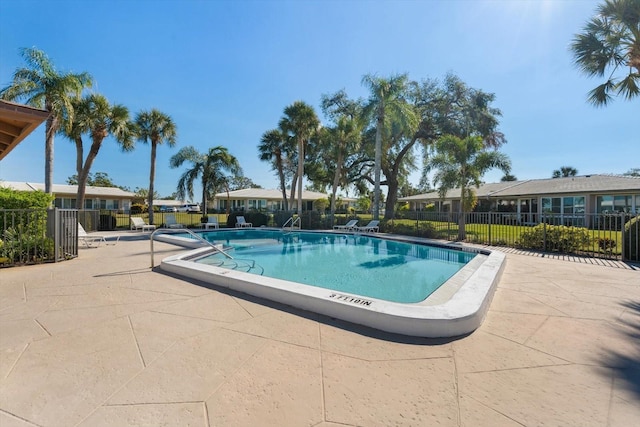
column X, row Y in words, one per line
column 507, row 177
column 272, row 149
column 210, row 167
column 341, row 140
column 41, row 86
column 461, row 163
column 564, row 172
column 95, row 116
column 300, row 122
column 610, row 43
column 386, row 99
column 157, row 128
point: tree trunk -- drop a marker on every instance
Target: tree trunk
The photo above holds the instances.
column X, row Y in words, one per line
column 204, row 199
column 378, row 164
column 79, row 156
column 84, row 172
column 461, row 222
column 282, row 183
column 294, row 183
column 392, row 197
column 300, row 173
column 152, row 175
column 50, row 131
column 336, row 182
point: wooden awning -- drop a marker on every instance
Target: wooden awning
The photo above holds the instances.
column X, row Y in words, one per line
column 16, row 122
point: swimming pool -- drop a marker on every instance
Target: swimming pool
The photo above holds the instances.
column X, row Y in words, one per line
column 455, row 306
column 357, row 264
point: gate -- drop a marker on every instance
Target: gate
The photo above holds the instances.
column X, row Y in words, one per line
column 62, row 226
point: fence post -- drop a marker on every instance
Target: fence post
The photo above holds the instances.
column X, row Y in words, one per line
column 544, row 235
column 489, row 214
column 622, row 224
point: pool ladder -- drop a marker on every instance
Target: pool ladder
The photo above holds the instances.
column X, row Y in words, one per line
column 293, row 224
column 249, row 263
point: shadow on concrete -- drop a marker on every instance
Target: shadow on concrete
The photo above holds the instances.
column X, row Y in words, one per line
column 330, row 321
column 626, row 367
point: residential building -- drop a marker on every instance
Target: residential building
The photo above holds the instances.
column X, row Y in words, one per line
column 111, row 198
column 266, row 199
column 566, row 198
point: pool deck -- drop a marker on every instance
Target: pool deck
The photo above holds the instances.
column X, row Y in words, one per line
column 103, row 340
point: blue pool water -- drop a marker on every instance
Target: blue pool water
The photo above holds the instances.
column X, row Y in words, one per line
column 355, row 264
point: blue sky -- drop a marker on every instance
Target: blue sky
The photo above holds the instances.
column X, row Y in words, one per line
column 225, row 70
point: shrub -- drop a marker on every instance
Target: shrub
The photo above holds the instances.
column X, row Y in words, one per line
column 606, row 244
column 559, row 238
column 20, row 247
column 426, row 230
column 137, row 209
column 13, row 199
column 631, row 239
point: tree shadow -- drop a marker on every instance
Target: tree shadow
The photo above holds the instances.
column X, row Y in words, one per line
column 626, row 366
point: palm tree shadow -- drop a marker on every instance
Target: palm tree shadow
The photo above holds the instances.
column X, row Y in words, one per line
column 626, row 366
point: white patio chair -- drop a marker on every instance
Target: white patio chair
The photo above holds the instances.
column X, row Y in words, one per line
column 348, row 226
column 93, row 240
column 212, row 221
column 371, row 227
column 241, row 223
column 138, row 223
column 170, row 221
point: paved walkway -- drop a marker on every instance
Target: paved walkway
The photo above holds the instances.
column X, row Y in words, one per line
column 104, row 341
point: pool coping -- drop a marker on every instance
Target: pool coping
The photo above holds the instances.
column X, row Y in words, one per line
column 457, row 308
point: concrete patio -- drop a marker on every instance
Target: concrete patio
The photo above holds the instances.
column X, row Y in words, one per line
column 103, row 340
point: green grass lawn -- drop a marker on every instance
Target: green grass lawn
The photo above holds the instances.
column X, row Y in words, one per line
column 503, row 235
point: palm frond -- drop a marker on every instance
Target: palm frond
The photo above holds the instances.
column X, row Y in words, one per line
column 600, row 95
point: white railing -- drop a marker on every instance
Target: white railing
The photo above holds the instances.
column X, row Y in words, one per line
column 293, row 222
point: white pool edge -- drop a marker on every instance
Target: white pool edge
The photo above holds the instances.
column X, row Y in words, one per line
column 460, row 314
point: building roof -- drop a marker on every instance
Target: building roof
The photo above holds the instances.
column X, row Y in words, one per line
column 549, row 186
column 16, row 122
column 268, row 194
column 69, row 190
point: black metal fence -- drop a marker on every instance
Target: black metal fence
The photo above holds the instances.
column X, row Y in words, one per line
column 40, row 235
column 31, row 236
column 612, row 236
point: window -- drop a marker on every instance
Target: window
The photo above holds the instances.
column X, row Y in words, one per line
column 604, row 204
column 570, row 209
column 622, row 203
column 507, row 205
column 551, row 205
column 64, row 203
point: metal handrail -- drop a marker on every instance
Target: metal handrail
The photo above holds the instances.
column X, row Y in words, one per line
column 293, row 223
column 185, row 230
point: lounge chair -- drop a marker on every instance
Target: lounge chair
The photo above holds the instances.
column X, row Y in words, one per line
column 241, row 223
column 371, row 227
column 348, row 226
column 170, row 221
column 93, row 240
column 138, row 223
column 212, row 221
